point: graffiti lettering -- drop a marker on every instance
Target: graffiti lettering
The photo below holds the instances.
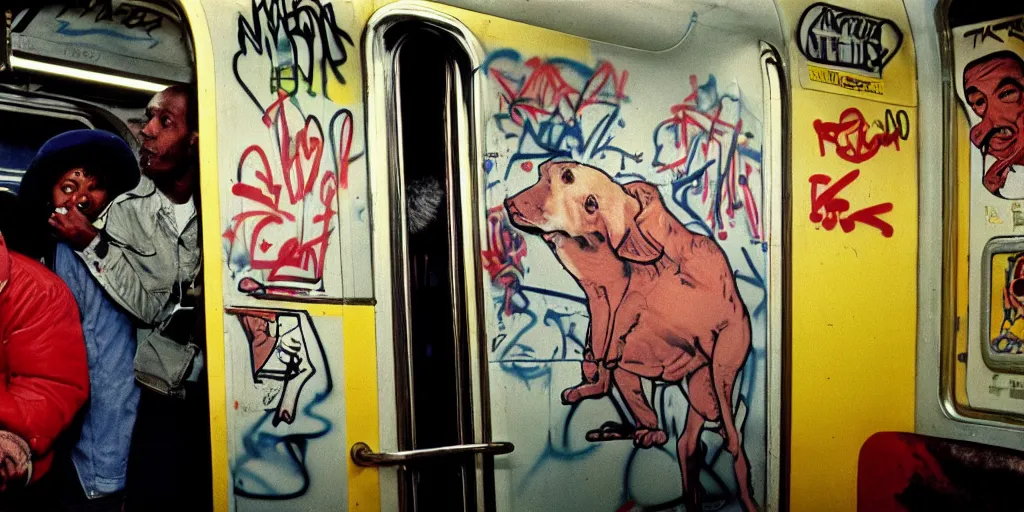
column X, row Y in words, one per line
column 850, row 134
column 828, row 209
column 557, row 107
column 301, row 40
column 128, row 21
column 898, row 122
column 840, row 37
column 704, row 143
column 1014, row 28
column 289, row 203
column 503, row 258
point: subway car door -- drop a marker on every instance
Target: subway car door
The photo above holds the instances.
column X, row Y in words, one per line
column 288, row 253
column 577, row 256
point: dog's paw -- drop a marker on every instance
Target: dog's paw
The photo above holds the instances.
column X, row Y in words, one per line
column 570, row 396
column 575, row 394
column 646, row 438
column 611, row 431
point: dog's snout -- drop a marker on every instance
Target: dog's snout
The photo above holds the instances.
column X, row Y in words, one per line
column 523, row 221
column 511, row 209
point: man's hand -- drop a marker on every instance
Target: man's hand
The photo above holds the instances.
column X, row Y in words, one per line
column 15, row 461
column 73, row 228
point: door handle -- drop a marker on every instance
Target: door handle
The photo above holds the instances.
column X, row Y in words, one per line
column 364, row 456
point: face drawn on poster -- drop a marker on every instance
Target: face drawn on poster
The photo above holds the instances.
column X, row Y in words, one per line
column 989, row 76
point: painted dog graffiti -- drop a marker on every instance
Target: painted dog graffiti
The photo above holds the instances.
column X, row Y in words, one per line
column 663, row 305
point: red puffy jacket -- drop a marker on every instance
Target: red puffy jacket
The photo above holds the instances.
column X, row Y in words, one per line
column 44, row 373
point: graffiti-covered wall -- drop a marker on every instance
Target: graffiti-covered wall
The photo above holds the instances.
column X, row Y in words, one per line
column 625, row 255
column 294, row 235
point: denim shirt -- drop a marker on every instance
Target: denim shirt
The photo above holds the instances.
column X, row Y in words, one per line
column 101, row 453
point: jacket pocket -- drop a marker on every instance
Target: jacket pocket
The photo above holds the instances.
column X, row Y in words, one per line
column 161, row 364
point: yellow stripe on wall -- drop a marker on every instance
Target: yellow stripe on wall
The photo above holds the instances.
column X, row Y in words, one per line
column 853, row 294
column 213, row 278
column 963, row 176
column 854, row 307
column 361, row 417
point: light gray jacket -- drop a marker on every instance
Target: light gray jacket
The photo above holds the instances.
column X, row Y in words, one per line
column 139, row 259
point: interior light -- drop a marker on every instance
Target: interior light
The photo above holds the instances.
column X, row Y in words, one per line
column 81, row 74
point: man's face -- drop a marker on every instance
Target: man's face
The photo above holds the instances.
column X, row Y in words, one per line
column 166, row 139
column 75, row 189
column 994, row 91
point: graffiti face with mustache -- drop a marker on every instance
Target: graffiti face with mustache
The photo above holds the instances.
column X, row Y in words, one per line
column 993, row 86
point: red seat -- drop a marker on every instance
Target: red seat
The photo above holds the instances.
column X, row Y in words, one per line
column 908, row 472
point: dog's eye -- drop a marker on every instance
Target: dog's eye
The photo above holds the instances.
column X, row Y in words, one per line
column 567, row 177
column 590, row 204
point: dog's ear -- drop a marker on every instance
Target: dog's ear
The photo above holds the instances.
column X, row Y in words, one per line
column 625, row 235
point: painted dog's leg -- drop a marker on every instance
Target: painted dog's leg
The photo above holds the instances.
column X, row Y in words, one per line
column 688, row 448
column 730, row 354
column 596, row 379
column 703, row 407
column 647, row 432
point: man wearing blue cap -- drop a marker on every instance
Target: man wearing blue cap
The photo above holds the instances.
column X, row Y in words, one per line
column 147, row 257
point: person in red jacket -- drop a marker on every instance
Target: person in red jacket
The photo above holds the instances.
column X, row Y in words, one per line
column 44, row 374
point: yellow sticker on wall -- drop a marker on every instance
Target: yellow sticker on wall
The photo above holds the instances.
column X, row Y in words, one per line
column 845, row 80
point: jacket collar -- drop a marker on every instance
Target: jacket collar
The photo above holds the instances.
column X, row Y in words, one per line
column 146, row 187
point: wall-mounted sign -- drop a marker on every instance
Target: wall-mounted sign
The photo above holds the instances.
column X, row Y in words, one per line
column 1003, row 307
column 867, row 53
column 845, row 80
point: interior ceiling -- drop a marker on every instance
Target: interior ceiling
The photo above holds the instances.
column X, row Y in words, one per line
column 652, row 25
